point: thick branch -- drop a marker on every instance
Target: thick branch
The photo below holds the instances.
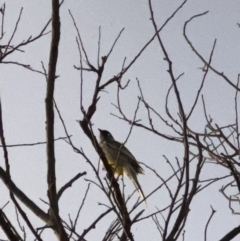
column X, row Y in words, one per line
column 49, row 104
column 232, row 234
column 8, row 229
column 51, row 175
column 22, row 197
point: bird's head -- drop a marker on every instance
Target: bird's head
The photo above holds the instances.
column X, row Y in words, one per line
column 105, row 136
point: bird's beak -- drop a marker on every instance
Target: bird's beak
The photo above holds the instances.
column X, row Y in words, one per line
column 100, row 130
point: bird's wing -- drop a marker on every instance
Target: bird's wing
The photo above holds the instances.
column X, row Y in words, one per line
column 125, row 154
column 124, row 150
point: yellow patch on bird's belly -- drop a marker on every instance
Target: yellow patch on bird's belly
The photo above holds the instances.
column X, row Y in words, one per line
column 117, row 169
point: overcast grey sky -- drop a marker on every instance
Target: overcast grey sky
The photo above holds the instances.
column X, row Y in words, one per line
column 23, row 92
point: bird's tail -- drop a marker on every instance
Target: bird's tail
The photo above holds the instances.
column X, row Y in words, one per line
column 140, row 191
column 133, row 177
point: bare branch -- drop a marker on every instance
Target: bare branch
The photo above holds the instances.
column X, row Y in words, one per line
column 35, row 143
column 22, row 197
column 93, row 225
column 237, row 120
column 26, row 66
column 69, row 184
column 24, row 216
column 119, row 35
column 81, row 206
column 206, row 227
column 51, row 174
column 14, row 31
column 200, row 56
column 232, row 234
column 2, row 11
column 8, row 228
column 204, row 77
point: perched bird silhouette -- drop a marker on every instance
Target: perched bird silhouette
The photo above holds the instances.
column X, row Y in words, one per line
column 121, row 159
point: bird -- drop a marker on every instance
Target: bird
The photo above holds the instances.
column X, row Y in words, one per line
column 121, row 159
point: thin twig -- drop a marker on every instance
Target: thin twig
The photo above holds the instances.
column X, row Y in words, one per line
column 208, row 222
column 203, row 80
column 200, row 56
column 35, row 143
column 93, row 225
column 69, row 183
column 81, row 206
